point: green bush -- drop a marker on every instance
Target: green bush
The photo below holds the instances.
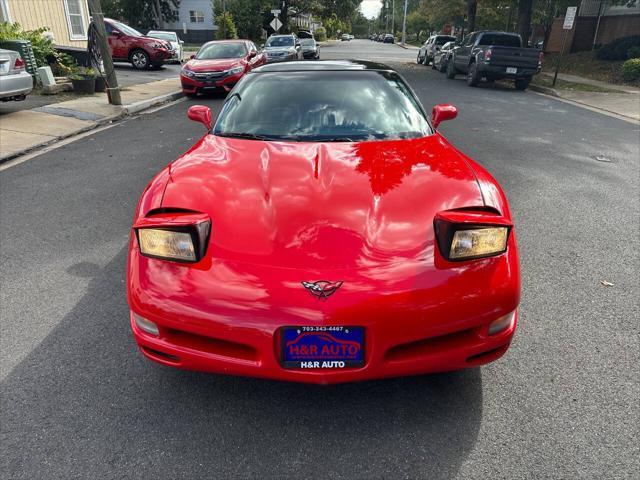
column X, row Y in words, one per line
column 631, row 70
column 226, row 27
column 633, row 52
column 43, row 48
column 619, row 49
column 320, row 34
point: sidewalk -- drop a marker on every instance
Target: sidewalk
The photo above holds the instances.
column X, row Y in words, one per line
column 25, row 130
column 623, row 101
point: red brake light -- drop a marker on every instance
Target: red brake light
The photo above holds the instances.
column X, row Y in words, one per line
column 19, row 65
column 487, row 54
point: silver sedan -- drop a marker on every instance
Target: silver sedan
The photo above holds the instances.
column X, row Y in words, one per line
column 15, row 82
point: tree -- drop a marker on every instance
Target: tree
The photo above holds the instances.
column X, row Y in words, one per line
column 226, row 27
column 142, row 14
column 525, row 8
column 472, row 6
column 417, row 23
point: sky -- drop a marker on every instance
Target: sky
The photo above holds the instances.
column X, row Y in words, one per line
column 370, row 8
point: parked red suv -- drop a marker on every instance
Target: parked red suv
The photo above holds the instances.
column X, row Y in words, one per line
column 219, row 65
column 129, row 45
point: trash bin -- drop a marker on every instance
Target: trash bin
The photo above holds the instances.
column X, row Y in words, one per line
column 26, row 52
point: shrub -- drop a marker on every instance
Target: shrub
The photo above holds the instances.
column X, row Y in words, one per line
column 633, row 52
column 320, row 34
column 619, row 49
column 43, row 49
column 226, row 27
column 631, row 70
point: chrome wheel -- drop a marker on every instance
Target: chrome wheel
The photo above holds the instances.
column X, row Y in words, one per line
column 140, row 59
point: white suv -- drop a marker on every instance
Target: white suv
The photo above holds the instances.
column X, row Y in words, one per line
column 433, row 43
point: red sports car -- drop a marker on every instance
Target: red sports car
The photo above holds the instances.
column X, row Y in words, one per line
column 219, row 65
column 323, row 233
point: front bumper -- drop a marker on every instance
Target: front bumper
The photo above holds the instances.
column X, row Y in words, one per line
column 226, row 317
column 280, row 58
column 159, row 55
column 194, row 86
column 310, row 54
column 15, row 85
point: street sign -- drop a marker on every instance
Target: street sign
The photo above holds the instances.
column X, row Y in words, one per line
column 569, row 18
column 276, row 24
column 276, row 11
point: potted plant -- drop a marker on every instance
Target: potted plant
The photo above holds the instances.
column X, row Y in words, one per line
column 83, row 80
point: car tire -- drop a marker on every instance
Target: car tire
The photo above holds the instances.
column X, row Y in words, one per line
column 522, row 83
column 139, row 59
column 443, row 66
column 418, row 59
column 433, row 65
column 451, row 70
column 472, row 75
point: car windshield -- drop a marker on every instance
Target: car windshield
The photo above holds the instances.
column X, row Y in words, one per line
column 127, row 30
column 443, row 40
column 168, row 36
column 215, row 51
column 280, row 42
column 323, row 106
column 307, row 42
column 448, row 45
column 500, row 40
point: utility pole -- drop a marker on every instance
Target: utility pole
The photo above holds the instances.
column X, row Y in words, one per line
column 224, row 19
column 404, row 24
column 97, row 17
column 386, row 16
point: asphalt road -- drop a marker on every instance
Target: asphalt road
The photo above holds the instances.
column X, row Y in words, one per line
column 79, row 401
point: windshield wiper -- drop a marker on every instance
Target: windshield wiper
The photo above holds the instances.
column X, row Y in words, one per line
column 248, row 136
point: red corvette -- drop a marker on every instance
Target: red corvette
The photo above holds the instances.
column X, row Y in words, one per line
column 219, row 65
column 324, row 234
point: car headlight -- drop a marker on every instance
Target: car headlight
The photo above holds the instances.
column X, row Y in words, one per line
column 466, row 235
column 172, row 245
column 157, row 45
column 478, row 242
column 188, row 73
column 235, row 70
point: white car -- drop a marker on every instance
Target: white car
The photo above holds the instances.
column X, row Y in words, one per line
column 174, row 41
column 15, row 82
column 433, row 44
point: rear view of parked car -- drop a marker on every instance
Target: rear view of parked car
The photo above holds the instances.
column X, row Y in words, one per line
column 388, row 38
column 129, row 45
column 441, row 56
column 15, row 82
column 427, row 52
column 489, row 55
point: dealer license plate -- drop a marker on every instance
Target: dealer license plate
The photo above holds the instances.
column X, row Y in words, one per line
column 325, row 347
column 513, row 70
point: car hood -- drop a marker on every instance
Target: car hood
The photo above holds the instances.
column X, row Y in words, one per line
column 212, row 65
column 321, row 205
column 278, row 49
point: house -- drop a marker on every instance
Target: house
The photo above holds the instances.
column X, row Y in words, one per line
column 67, row 20
column 598, row 23
column 195, row 22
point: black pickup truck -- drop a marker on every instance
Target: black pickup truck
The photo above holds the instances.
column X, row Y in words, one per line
column 492, row 56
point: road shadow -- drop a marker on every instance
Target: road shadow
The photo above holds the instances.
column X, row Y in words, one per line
column 86, row 404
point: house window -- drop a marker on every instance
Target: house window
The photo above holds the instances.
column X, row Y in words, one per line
column 196, row 16
column 75, row 20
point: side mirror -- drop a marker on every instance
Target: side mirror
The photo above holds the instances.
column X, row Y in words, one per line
column 253, row 54
column 442, row 113
column 202, row 114
column 262, row 46
column 191, row 57
column 297, row 44
column 181, row 42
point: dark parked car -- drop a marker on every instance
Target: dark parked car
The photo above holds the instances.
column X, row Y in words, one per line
column 280, row 48
column 492, row 56
column 310, row 48
column 442, row 56
column 129, row 45
column 388, row 38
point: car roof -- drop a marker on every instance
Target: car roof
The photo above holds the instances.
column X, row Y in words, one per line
column 323, row 65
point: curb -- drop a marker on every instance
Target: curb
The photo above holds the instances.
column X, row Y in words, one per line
column 126, row 110
column 151, row 102
column 546, row 90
